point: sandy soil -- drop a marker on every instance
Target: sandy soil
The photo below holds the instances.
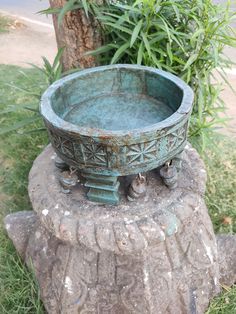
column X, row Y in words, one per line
column 27, row 42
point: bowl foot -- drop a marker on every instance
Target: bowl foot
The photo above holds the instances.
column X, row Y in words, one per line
column 102, row 189
column 137, row 188
column 169, row 172
column 60, row 164
column 169, row 176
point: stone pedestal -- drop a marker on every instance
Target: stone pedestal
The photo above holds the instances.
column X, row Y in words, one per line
column 155, row 255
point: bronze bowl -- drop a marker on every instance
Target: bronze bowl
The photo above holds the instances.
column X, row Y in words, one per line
column 116, row 120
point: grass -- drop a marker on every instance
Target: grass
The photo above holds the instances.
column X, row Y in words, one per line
column 220, row 161
column 221, row 186
column 5, row 23
column 225, row 303
column 18, row 289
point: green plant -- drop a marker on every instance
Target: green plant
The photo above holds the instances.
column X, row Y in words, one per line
column 18, row 290
column 184, row 37
column 30, row 87
column 220, row 162
column 224, row 303
column 50, row 73
column 5, row 22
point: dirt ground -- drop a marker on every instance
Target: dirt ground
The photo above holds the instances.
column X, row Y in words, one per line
column 26, row 42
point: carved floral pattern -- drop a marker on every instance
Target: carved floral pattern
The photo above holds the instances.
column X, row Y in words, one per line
column 142, row 152
column 67, row 148
column 78, row 151
column 177, row 137
column 96, row 154
column 55, row 139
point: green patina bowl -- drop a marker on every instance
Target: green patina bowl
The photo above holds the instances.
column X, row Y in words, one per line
column 117, row 120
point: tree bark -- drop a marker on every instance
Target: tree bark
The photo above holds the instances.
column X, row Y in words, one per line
column 78, row 34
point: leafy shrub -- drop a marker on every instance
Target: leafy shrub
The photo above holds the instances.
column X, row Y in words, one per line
column 50, row 73
column 5, row 23
column 184, row 37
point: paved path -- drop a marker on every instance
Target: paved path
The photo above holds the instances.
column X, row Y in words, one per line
column 34, row 39
column 26, row 8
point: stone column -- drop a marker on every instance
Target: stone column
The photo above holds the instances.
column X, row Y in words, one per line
column 155, row 255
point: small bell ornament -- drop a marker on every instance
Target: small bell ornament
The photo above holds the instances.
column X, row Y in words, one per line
column 60, row 164
column 68, row 179
column 169, row 176
column 137, row 188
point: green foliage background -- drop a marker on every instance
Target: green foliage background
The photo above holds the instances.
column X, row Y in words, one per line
column 19, row 292
column 184, row 37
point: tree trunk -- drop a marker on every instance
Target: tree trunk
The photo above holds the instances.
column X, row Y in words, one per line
column 78, row 34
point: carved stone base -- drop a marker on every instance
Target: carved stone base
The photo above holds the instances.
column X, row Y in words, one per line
column 155, row 255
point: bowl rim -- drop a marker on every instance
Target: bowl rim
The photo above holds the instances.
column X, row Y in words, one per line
column 52, row 118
